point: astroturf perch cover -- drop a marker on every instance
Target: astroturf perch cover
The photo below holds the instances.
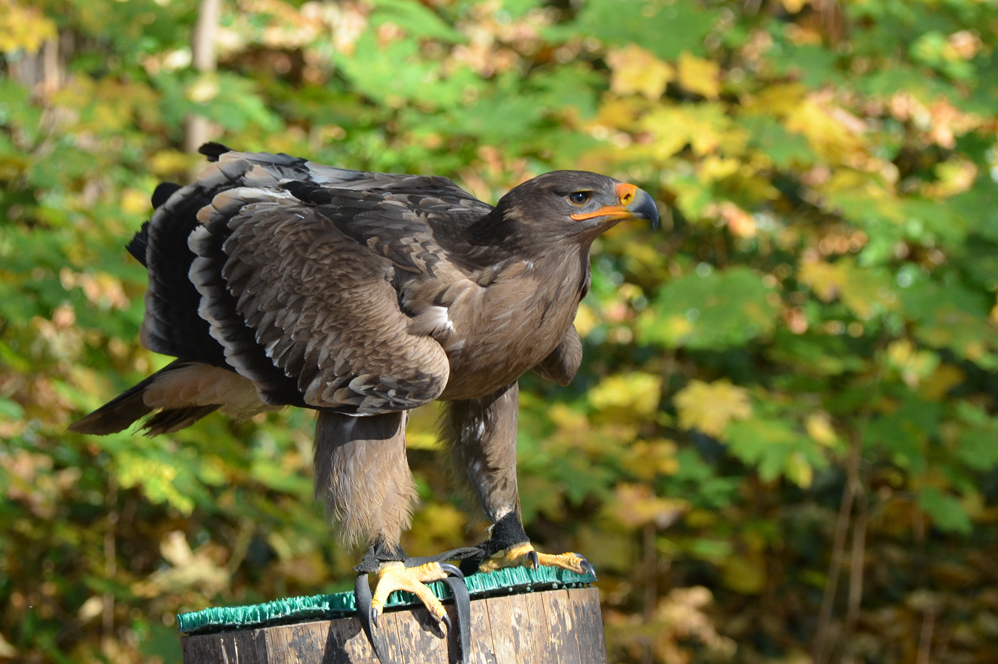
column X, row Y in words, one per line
column 338, row 605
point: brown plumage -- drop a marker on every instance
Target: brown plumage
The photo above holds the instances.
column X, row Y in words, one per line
column 278, row 281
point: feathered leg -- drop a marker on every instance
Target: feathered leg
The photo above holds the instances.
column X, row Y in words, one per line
column 481, row 435
column 363, row 478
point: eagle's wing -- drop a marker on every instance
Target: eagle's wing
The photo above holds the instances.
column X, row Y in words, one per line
column 413, row 221
column 296, row 271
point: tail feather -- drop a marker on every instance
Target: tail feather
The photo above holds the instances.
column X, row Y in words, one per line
column 117, row 414
column 139, row 243
column 129, row 407
column 175, row 419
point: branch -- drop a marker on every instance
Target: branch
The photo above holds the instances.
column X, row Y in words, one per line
column 197, row 128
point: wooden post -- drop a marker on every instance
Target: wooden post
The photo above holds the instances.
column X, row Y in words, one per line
column 540, row 627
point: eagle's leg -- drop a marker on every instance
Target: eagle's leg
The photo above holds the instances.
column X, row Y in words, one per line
column 363, row 477
column 481, row 434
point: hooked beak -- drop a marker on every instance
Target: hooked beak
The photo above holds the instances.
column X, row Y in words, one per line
column 634, row 204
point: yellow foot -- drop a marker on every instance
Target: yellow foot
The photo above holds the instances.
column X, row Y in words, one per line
column 524, row 555
column 396, row 576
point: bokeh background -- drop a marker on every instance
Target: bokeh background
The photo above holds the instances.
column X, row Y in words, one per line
column 782, row 443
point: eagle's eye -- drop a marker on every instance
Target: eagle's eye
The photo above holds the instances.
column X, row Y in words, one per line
column 579, row 198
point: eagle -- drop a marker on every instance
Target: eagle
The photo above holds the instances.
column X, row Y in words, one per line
column 277, row 281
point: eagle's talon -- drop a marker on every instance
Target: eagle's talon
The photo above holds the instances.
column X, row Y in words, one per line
column 524, row 555
column 368, row 616
column 451, row 570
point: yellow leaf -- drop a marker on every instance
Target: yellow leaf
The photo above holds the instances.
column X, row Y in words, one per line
column 650, row 459
column 636, row 70
column 833, row 133
column 618, row 113
column 778, row 100
column 819, row 428
column 635, row 392
column 798, row 470
column 705, row 127
column 23, row 28
column 565, row 418
column 636, row 505
column 699, row 76
column 709, row 407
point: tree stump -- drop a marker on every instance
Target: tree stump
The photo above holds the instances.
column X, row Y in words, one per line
column 562, row 625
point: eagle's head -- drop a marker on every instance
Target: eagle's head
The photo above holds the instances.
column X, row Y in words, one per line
column 573, row 205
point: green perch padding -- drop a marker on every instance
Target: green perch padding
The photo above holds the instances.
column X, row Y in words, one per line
column 509, row 581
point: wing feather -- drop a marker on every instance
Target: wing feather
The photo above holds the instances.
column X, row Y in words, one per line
column 344, row 341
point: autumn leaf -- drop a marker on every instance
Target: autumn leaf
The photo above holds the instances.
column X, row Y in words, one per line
column 709, row 407
column 636, row 392
column 636, row 505
column 23, row 28
column 636, row 70
column 698, row 75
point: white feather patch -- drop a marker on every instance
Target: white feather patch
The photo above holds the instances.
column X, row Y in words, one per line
column 433, row 321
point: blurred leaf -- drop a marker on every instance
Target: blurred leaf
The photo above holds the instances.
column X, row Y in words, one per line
column 717, row 310
column 699, row 76
column 23, row 28
column 945, row 511
column 667, row 30
column 635, row 506
column 776, row 448
column 635, row 392
column 709, row 407
column 636, row 70
column 865, row 291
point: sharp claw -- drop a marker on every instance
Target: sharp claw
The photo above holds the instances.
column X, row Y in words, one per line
column 535, row 559
column 445, row 619
column 451, row 570
column 368, row 616
column 587, row 567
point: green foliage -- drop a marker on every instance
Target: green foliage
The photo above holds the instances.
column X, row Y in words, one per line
column 710, row 310
column 815, row 325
